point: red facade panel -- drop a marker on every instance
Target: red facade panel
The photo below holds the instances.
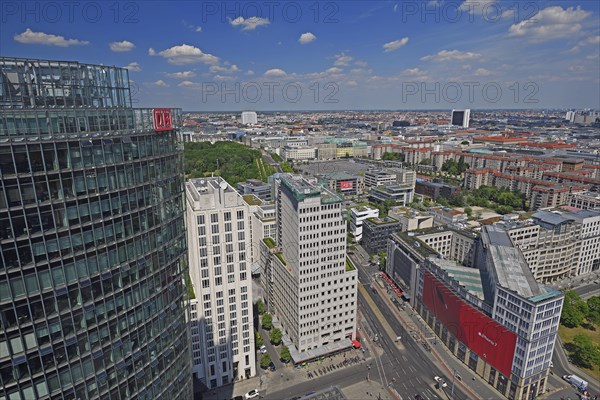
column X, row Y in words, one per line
column 487, row 338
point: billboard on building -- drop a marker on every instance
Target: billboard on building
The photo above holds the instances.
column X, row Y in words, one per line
column 346, row 185
column 484, row 336
column 163, row 120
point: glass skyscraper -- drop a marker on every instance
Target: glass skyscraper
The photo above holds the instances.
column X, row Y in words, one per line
column 92, row 237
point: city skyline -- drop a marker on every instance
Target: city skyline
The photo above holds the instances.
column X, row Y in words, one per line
column 293, row 56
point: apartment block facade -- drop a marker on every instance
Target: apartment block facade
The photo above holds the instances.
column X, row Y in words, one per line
column 221, row 324
column 309, row 286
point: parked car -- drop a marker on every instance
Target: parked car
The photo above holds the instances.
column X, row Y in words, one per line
column 263, row 349
column 251, row 394
column 440, row 381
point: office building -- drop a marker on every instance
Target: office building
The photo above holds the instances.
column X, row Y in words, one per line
column 249, row 118
column 358, row 215
column 221, row 325
column 255, row 187
column 93, row 261
column 461, row 118
column 474, row 311
column 310, row 285
column 411, row 219
column 399, row 194
column 375, row 178
column 376, row 232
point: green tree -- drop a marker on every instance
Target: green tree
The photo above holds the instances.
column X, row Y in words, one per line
column 593, row 314
column 382, row 260
column 284, row 355
column 258, row 340
column 465, row 143
column 585, row 352
column 276, row 336
column 267, row 321
column 572, row 312
column 426, row 161
column 469, row 211
column 265, row 361
column 260, row 307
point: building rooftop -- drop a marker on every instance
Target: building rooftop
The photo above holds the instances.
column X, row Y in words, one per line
column 469, row 278
column 302, row 188
column 382, row 220
column 511, row 269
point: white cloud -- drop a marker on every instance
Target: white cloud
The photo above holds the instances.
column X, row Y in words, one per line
column 352, row 83
column 307, row 38
column 249, row 72
column 217, row 68
column 413, row 71
column 182, row 75
column 192, row 27
column 592, row 40
column 30, row 37
column 550, row 23
column 451, row 55
column 334, row 70
column 275, row 72
column 222, row 78
column 477, row 6
column 188, row 84
column 342, row 60
column 395, row 45
column 483, row 72
column 185, row 54
column 134, row 66
column 121, row 47
column 360, row 63
column 249, row 24
column 160, row 83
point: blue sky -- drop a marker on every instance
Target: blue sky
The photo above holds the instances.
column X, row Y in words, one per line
column 326, row 55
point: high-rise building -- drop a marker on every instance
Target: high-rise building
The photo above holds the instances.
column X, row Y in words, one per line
column 93, row 251
column 249, row 118
column 221, row 324
column 461, row 118
column 311, row 287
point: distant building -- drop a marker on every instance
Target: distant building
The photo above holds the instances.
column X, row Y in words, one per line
column 357, row 217
column 344, row 183
column 461, row 118
column 326, row 151
column 376, row 232
column 411, row 219
column 583, row 117
column 378, row 178
column 445, row 216
column 249, row 118
column 256, row 187
column 435, row 190
column 299, row 153
column 401, row 194
column 584, row 200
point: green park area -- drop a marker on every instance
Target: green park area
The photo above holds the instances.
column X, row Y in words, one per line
column 579, row 331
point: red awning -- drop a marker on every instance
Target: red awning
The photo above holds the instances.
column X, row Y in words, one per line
column 356, row 344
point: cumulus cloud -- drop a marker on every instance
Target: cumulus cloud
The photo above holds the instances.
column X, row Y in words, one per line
column 413, row 71
column 483, row 72
column 451, row 55
column 134, row 66
column 249, row 72
column 185, row 54
column 342, row 60
column 30, row 37
column 182, row 75
column 249, row 24
column 589, row 41
column 160, row 83
column 275, row 73
column 188, row 84
column 550, row 23
column 228, row 70
column 307, row 38
column 394, row 45
column 334, row 70
column 121, row 47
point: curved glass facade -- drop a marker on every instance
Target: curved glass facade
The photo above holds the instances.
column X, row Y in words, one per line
column 92, row 236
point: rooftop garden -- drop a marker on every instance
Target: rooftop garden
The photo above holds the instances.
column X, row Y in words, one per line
column 252, row 200
column 191, row 293
column 280, row 256
column 269, row 242
column 349, row 265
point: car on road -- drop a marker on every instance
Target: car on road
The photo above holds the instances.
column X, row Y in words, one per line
column 271, row 367
column 419, row 397
column 440, row 381
column 263, row 349
column 238, row 398
column 251, row 394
